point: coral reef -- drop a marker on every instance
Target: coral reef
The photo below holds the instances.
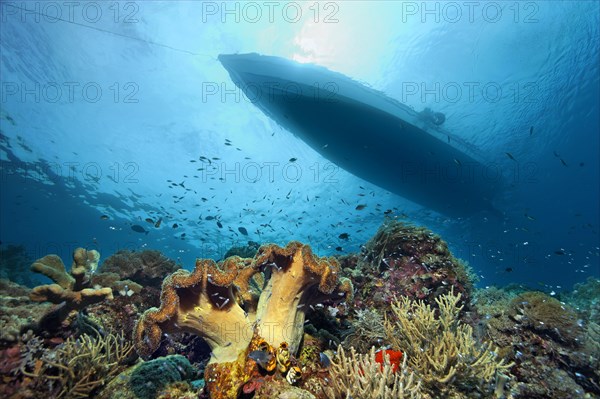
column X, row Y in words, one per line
column 282, row 392
column 18, row 313
column 245, row 251
column 360, row 376
column 441, row 350
column 83, row 365
column 406, row 260
column 367, row 330
column 585, row 298
column 220, row 303
column 545, row 340
column 147, row 268
column 546, row 316
column 149, row 377
column 266, row 325
column 166, row 377
column 71, row 290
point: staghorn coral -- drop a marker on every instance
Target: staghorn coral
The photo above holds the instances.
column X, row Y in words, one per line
column 70, row 289
column 218, row 303
column 80, row 366
column 441, row 350
column 360, row 376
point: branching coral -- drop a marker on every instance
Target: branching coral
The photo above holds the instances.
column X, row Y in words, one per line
column 360, row 376
column 80, row 366
column 218, row 302
column 71, row 290
column 441, row 349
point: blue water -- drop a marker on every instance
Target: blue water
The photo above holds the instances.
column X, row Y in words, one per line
column 103, row 103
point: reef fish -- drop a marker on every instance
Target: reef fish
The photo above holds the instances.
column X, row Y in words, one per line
column 262, row 358
column 139, row 229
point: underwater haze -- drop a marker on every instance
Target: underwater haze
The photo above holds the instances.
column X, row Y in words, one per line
column 120, row 128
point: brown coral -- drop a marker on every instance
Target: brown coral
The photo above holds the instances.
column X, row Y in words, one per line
column 147, row 268
column 221, row 303
column 547, row 316
column 70, row 289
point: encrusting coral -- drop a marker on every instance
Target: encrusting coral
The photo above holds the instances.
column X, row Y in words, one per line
column 18, row 313
column 547, row 341
column 71, row 290
column 407, row 260
column 222, row 303
column 147, row 268
column 546, row 316
column 441, row 350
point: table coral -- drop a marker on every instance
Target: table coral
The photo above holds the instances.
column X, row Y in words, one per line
column 240, row 305
column 71, row 290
